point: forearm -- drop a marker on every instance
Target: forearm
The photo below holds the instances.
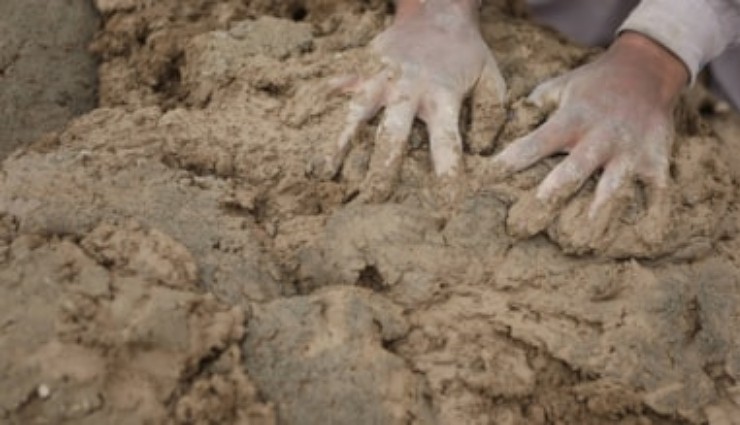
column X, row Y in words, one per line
column 668, row 70
column 696, row 31
column 409, row 8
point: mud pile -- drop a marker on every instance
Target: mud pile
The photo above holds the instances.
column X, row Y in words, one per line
column 46, row 75
column 167, row 258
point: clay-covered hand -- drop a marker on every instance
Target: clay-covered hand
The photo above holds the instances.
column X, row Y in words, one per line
column 432, row 57
column 615, row 115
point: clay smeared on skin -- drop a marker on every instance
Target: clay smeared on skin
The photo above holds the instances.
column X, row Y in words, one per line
column 266, row 293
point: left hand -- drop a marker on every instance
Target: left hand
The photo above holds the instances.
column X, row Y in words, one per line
column 433, row 56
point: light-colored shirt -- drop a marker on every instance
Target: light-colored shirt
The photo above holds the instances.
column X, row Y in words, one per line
column 696, row 31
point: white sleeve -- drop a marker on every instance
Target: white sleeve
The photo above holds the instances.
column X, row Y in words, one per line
column 696, row 31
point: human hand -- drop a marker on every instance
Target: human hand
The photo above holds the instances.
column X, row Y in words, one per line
column 432, row 57
column 614, row 114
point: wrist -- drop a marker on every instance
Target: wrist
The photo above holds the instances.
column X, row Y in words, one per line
column 407, row 8
column 411, row 8
column 668, row 71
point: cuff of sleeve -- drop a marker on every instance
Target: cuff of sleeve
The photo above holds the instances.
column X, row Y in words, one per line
column 688, row 28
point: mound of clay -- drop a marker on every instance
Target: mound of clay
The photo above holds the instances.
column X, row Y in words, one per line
column 88, row 338
column 47, row 77
column 333, row 355
column 168, row 259
column 646, row 331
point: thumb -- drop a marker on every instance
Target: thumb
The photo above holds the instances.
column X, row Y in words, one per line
column 548, row 94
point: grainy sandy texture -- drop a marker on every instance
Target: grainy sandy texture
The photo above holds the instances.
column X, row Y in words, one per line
column 47, row 75
column 168, row 259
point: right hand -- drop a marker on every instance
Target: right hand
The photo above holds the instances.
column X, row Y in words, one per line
column 615, row 114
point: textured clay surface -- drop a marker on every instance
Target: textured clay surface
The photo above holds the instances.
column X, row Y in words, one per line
column 167, row 258
column 47, row 75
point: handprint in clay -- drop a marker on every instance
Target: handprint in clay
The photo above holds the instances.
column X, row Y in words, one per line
column 431, row 58
column 615, row 114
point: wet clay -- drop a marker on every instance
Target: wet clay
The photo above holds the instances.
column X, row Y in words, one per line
column 169, row 258
column 47, row 76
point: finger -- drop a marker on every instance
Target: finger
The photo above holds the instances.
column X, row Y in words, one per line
column 446, row 145
column 613, row 194
column 444, row 134
column 348, row 83
column 583, row 225
column 556, row 135
column 489, row 95
column 528, row 216
column 592, row 151
column 614, row 178
column 355, row 80
column 364, row 105
column 534, row 212
column 656, row 223
column 654, row 173
column 390, row 144
column 549, row 93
